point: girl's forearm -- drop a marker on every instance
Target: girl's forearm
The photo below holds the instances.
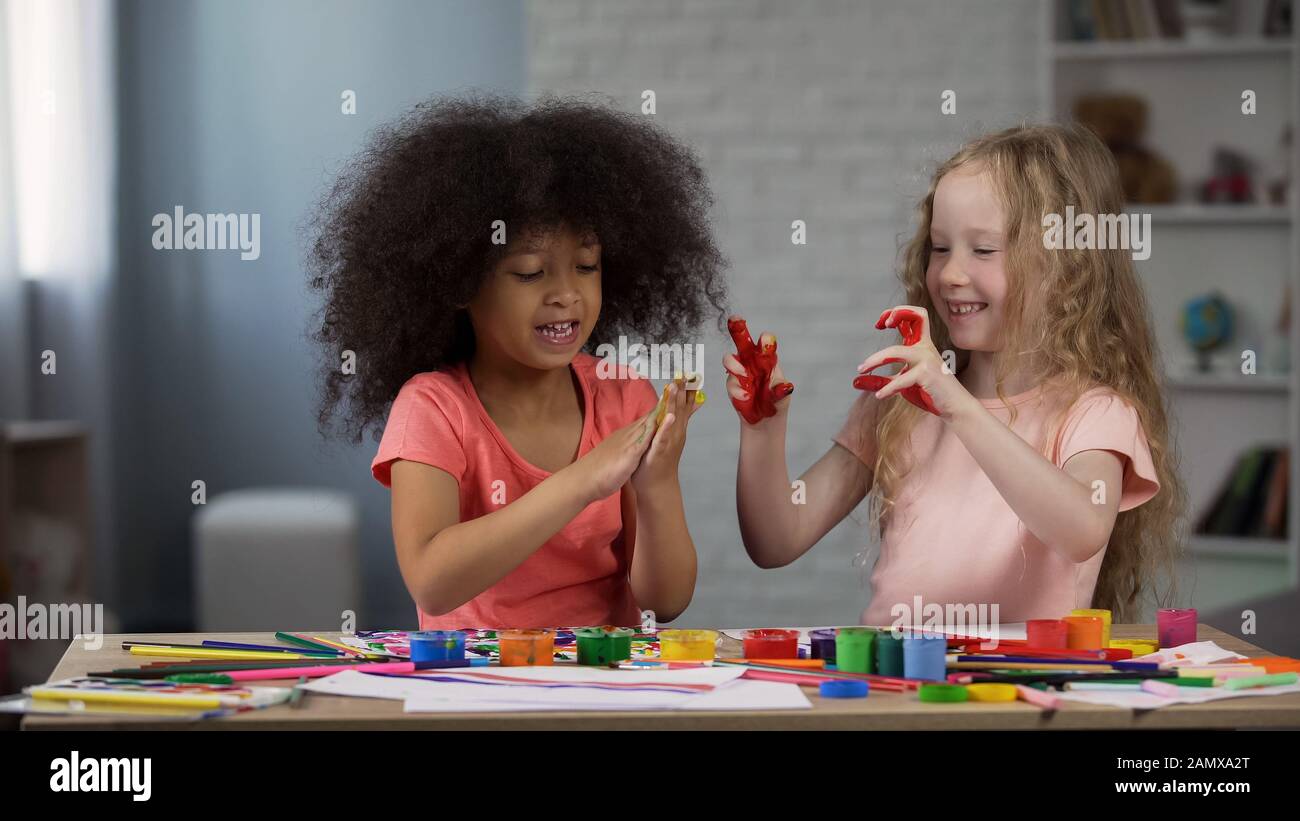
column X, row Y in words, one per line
column 769, row 520
column 465, row 559
column 663, row 569
column 1056, row 507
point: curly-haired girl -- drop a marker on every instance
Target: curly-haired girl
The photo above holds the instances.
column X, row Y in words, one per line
column 1042, row 479
column 528, row 490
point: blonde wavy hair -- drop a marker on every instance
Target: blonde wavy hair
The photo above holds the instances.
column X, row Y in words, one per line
column 1076, row 320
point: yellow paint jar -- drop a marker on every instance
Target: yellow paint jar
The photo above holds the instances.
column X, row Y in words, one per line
column 687, row 645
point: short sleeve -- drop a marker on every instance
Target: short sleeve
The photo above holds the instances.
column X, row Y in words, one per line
column 1102, row 420
column 857, row 436
column 421, row 429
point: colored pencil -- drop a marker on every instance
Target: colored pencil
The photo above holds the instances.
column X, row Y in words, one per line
column 825, row 674
column 234, row 645
column 213, row 653
column 211, row 645
column 342, row 648
column 1054, row 679
column 162, row 671
column 120, row 697
column 301, row 641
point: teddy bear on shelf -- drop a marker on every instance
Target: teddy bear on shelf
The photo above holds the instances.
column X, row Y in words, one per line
column 1120, row 121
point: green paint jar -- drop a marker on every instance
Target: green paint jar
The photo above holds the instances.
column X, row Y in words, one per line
column 854, row 649
column 604, row 645
column 889, row 654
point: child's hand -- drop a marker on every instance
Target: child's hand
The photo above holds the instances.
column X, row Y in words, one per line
column 924, row 379
column 755, row 384
column 609, row 465
column 659, row 465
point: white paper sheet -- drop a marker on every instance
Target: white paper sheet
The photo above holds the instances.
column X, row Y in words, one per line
column 736, row 695
column 1141, row 700
column 556, row 687
column 1193, row 654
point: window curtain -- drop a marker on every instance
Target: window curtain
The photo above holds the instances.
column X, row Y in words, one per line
column 57, row 203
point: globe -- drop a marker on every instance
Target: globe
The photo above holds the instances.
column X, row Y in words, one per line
column 1207, row 324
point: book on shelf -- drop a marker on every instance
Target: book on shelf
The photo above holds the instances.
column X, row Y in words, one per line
column 1252, row 501
column 1084, row 20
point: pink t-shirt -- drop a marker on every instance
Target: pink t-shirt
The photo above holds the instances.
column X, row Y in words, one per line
column 580, row 575
column 952, row 539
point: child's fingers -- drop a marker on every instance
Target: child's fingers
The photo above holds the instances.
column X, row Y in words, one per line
column 732, row 365
column 777, row 376
column 912, row 321
column 639, row 432
column 903, row 353
column 897, row 383
column 735, row 391
column 661, row 435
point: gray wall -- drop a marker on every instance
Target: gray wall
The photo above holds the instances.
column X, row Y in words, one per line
column 823, row 111
column 235, row 107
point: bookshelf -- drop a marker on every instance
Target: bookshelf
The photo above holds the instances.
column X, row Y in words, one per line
column 1248, row 252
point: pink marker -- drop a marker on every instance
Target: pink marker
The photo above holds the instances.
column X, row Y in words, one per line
column 1038, row 698
column 1161, row 688
column 322, row 670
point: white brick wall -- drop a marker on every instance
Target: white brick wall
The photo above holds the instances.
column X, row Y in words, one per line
column 825, row 111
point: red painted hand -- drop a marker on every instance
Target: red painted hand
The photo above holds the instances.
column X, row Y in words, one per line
column 759, row 362
column 910, row 325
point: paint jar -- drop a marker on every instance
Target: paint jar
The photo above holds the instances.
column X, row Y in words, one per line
column 687, row 645
column 1139, row 647
column 1104, row 615
column 771, row 644
column 1046, row 634
column 823, row 645
column 604, row 645
column 1083, row 632
column 925, row 657
column 1176, row 627
column 854, row 648
column 889, row 653
column 526, row 648
column 437, row 645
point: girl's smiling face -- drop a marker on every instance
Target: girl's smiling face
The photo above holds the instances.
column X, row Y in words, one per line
column 540, row 302
column 966, row 277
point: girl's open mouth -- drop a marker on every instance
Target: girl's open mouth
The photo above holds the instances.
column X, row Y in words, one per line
column 963, row 310
column 558, row 334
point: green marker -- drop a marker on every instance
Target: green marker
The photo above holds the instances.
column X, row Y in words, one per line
column 1246, row 682
column 200, row 678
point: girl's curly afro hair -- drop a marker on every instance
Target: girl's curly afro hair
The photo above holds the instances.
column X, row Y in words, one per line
column 403, row 240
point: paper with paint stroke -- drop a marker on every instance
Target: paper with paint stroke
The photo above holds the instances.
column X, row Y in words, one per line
column 1194, row 654
column 566, row 688
column 736, row 695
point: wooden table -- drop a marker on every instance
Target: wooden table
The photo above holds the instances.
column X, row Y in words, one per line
column 880, row 711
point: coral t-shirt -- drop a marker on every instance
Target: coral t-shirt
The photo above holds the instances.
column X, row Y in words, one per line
column 580, row 575
column 952, row 539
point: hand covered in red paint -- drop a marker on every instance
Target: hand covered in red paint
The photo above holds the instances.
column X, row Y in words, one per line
column 924, row 376
column 755, row 383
